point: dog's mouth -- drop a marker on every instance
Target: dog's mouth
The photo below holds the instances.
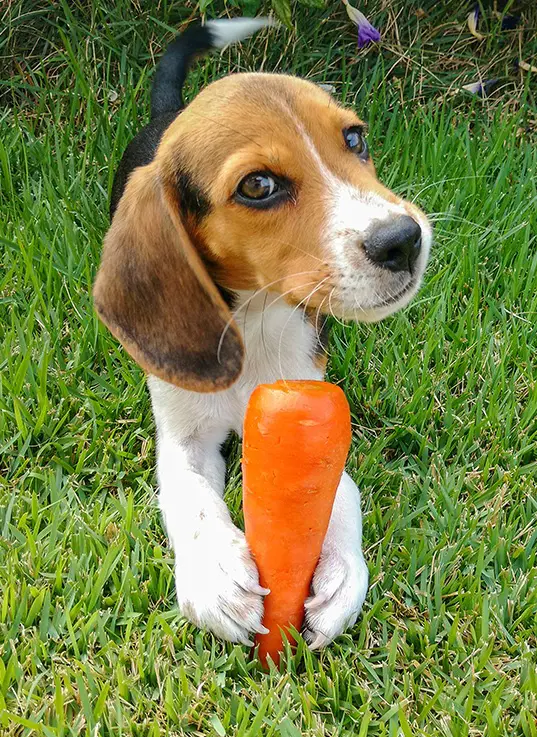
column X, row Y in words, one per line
column 381, row 307
column 394, row 298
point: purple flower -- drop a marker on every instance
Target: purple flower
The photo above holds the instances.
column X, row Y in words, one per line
column 481, row 89
column 473, row 20
column 367, row 33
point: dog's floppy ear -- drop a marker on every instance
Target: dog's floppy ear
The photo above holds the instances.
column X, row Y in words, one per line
column 154, row 293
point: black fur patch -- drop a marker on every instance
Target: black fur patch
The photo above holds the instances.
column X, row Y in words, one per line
column 229, row 297
column 140, row 151
column 193, row 200
column 170, row 75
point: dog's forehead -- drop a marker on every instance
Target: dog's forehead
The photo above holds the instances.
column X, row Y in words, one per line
column 261, row 94
column 252, row 110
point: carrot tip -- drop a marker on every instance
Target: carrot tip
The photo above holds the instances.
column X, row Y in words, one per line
column 296, row 437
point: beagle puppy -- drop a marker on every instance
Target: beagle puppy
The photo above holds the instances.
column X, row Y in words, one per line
column 238, row 223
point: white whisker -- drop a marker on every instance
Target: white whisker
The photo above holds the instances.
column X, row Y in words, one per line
column 246, row 302
column 316, row 324
column 306, row 299
column 439, row 182
column 332, row 311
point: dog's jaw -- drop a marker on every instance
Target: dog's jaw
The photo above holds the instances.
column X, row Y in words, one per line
column 370, row 293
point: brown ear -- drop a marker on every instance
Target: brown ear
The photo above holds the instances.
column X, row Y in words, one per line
column 155, row 295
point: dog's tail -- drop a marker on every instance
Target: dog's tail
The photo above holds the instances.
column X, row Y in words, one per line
column 166, row 93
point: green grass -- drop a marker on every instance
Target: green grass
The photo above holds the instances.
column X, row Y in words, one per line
column 444, row 401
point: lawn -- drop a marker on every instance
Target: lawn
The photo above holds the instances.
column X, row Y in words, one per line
column 443, row 396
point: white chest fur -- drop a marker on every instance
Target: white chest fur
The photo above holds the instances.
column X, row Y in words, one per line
column 280, row 344
column 216, row 578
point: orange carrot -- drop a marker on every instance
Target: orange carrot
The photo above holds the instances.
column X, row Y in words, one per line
column 296, row 439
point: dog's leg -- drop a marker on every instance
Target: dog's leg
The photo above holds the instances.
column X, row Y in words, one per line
column 340, row 581
column 216, row 579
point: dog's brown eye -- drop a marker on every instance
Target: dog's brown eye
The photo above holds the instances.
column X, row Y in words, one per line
column 354, row 138
column 257, row 186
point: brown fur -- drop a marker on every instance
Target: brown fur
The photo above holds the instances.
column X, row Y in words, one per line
column 242, row 124
column 155, row 296
column 153, row 290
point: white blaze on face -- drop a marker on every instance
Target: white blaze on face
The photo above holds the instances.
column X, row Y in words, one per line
column 353, row 211
column 367, row 292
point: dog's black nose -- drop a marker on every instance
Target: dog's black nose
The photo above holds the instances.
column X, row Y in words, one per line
column 394, row 244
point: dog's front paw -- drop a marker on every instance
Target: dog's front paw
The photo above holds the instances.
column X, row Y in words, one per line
column 218, row 584
column 339, row 588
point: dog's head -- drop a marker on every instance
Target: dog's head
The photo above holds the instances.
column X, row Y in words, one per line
column 263, row 181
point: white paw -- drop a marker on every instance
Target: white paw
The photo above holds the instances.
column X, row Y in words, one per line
column 218, row 584
column 339, row 587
